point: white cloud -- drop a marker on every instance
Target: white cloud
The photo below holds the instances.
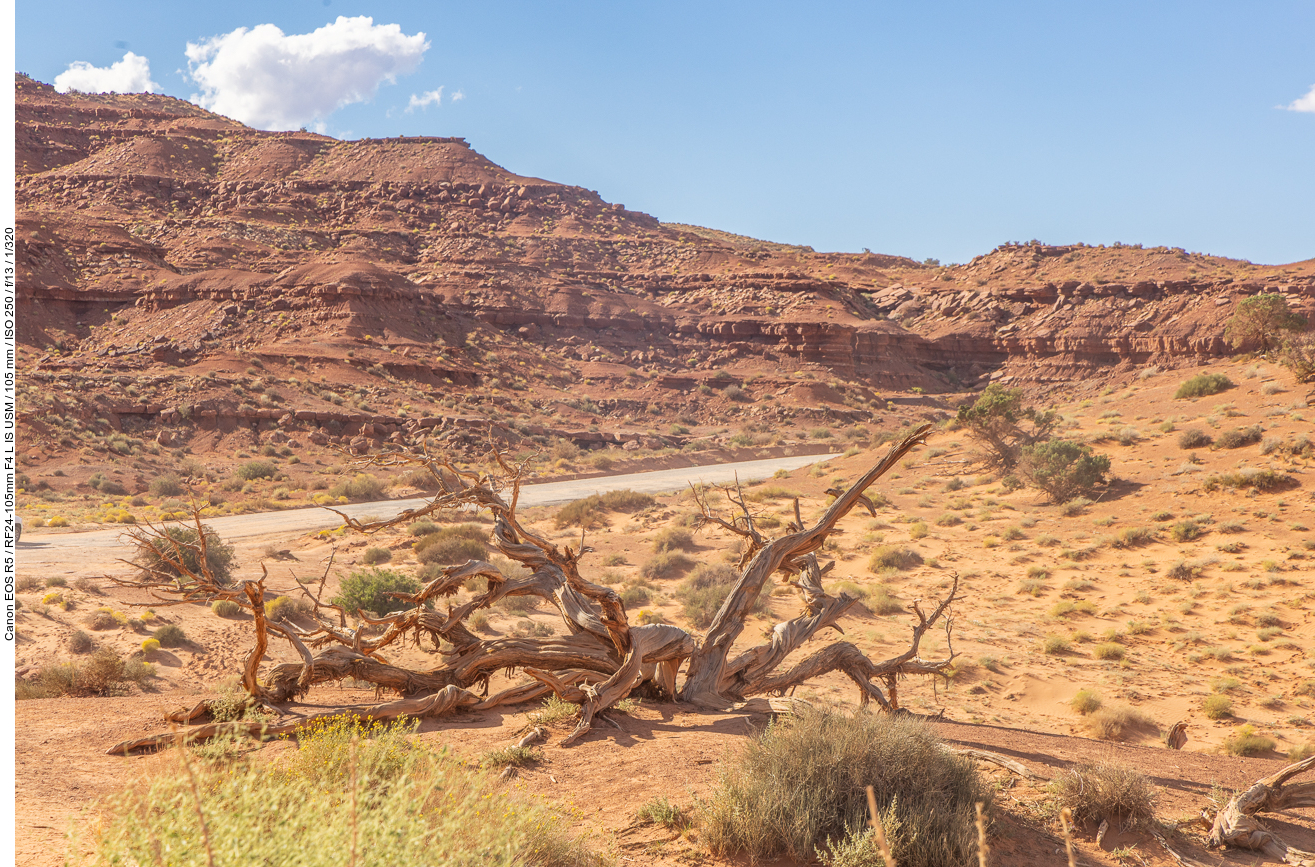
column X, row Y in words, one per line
column 458, row 96
column 132, row 74
column 1305, row 103
column 269, row 80
column 426, row 99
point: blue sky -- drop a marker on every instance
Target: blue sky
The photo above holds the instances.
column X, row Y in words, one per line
column 930, row 130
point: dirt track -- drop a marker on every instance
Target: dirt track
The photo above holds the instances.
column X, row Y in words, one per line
column 49, row 553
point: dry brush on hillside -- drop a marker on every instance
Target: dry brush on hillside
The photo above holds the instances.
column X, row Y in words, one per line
column 602, row 660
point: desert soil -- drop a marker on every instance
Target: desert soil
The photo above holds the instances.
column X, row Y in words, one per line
column 1239, row 623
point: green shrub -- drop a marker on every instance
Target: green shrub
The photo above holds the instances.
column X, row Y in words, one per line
column 422, row 528
column 225, row 608
column 408, row 806
column 1106, row 792
column 253, row 470
column 1217, row 706
column 1085, row 702
column 668, row 564
column 167, row 485
column 917, row 530
column 798, row 789
column 182, row 545
column 1185, row 531
column 706, row 588
column 635, row 595
column 660, row 811
column 1203, row 384
column 170, row 635
column 1063, row 469
column 1248, row 477
column 893, row 557
column 359, row 487
column 375, row 556
column 1194, row 438
column 1003, row 426
column 1245, row 742
column 1238, row 437
column 1262, row 321
column 368, row 588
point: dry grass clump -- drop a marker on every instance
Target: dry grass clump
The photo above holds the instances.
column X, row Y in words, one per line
column 104, row 673
column 1252, row 478
column 1194, row 438
column 349, row 788
column 225, row 608
column 450, row 545
column 1085, row 702
column 660, row 811
column 1239, row 437
column 106, row 618
column 1108, row 650
column 1217, row 706
column 1245, row 742
column 1117, row 723
column 1106, row 792
column 1185, row 531
column 170, row 635
column 589, row 511
column 1056, row 645
column 706, row 588
column 511, row 757
column 673, row 539
column 893, row 557
column 284, row 607
column 1134, row 537
column 799, row 790
column 879, row 600
column 668, row 564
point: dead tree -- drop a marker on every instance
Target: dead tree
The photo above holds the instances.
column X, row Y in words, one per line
column 603, row 658
column 1237, row 825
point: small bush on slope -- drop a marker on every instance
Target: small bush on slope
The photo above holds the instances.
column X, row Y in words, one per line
column 801, row 784
column 158, row 555
column 367, row 588
column 1096, row 793
column 703, row 592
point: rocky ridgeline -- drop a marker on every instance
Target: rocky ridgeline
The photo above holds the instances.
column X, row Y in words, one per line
column 153, row 233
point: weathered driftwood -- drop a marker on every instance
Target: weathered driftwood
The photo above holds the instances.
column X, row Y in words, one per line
column 601, row 660
column 1236, row 824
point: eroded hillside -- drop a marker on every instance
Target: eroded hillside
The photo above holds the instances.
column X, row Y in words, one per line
column 190, row 284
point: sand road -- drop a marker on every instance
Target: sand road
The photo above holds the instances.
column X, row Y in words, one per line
column 97, row 550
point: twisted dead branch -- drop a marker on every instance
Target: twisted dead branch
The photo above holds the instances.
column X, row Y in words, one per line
column 600, row 661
